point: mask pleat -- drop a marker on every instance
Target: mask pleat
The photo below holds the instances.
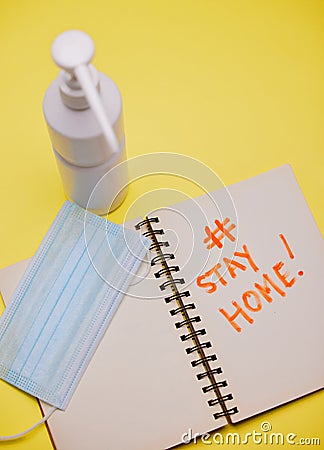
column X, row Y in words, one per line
column 65, row 302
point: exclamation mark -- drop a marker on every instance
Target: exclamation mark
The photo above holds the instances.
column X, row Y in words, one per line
column 289, row 251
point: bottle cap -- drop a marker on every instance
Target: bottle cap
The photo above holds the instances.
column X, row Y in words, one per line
column 73, row 51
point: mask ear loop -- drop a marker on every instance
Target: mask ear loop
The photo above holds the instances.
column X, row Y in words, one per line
column 23, row 433
column 147, row 271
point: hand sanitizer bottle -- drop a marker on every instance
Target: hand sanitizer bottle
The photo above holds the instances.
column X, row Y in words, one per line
column 83, row 112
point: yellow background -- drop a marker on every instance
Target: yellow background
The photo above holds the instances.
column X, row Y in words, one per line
column 236, row 84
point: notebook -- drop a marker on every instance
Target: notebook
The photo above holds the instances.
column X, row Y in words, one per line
column 227, row 323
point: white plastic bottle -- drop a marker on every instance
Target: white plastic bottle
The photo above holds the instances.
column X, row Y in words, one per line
column 83, row 112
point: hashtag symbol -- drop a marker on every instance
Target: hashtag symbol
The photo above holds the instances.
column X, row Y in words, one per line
column 220, row 232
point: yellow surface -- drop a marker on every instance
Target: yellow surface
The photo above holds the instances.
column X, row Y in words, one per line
column 236, row 84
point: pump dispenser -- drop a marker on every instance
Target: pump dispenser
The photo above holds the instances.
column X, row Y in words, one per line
column 83, row 112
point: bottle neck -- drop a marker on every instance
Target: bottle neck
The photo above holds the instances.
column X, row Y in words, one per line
column 71, row 93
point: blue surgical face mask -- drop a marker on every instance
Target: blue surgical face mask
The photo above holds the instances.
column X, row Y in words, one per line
column 63, row 304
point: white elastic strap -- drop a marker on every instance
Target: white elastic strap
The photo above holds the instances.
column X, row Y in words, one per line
column 147, row 271
column 23, row 433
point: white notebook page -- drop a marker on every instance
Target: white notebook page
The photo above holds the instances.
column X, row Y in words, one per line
column 279, row 356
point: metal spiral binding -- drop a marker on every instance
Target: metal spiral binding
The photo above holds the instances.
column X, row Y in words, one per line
column 188, row 322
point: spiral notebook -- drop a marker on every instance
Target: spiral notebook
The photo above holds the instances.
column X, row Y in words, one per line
column 226, row 325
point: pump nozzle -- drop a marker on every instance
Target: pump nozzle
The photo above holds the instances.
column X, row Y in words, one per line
column 72, row 51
